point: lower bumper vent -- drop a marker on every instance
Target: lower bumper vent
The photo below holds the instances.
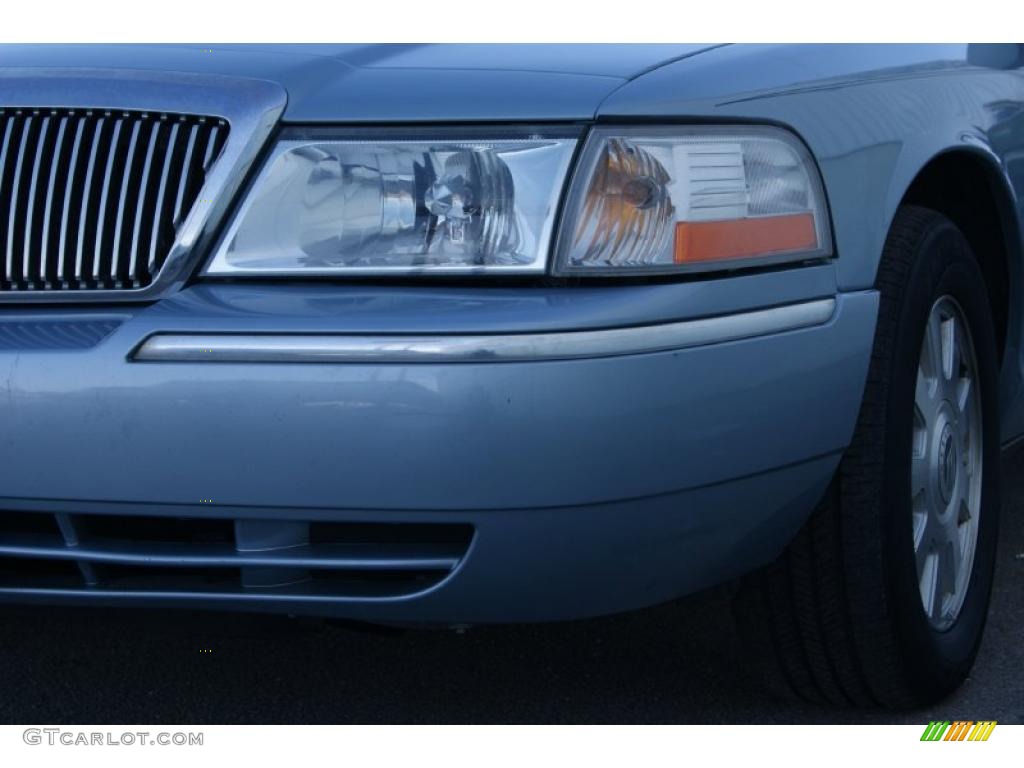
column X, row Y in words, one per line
column 182, row 556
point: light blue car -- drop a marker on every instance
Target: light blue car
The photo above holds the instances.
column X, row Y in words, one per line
column 458, row 334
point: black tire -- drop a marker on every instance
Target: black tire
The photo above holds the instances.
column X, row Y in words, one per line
column 838, row 617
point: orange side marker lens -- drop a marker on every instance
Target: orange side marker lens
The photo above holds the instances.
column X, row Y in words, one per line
column 703, row 241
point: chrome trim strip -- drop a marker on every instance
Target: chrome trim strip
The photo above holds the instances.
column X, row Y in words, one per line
column 341, row 348
column 251, row 108
column 395, row 557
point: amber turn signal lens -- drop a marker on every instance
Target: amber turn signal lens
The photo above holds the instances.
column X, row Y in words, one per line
column 704, row 241
column 661, row 200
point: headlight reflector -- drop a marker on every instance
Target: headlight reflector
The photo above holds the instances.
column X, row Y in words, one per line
column 661, row 200
column 345, row 206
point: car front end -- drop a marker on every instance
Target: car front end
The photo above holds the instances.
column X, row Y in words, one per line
column 501, row 361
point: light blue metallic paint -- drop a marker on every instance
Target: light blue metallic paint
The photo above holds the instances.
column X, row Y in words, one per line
column 583, row 501
column 873, row 116
column 402, row 84
column 594, row 485
column 545, row 563
column 465, row 436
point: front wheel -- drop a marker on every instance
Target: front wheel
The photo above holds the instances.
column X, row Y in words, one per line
column 882, row 597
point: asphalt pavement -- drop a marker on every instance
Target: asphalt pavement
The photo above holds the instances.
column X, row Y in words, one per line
column 678, row 663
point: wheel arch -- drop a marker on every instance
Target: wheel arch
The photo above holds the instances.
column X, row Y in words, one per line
column 968, row 185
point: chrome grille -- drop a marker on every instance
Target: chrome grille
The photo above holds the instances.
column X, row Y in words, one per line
column 92, row 199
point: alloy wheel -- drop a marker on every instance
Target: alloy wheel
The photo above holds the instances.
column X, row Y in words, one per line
column 946, row 463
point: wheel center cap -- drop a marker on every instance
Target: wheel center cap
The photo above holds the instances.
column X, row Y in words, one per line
column 947, row 463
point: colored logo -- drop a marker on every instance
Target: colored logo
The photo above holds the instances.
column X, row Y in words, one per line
column 960, row 730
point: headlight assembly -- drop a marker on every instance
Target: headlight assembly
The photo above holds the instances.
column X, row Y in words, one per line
column 643, row 200
column 670, row 200
column 338, row 204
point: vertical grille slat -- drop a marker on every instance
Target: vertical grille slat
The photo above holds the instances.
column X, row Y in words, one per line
column 93, row 199
column 45, row 250
column 183, row 178
column 8, row 128
column 16, row 195
column 69, row 186
column 211, row 146
column 9, row 122
column 87, row 195
column 122, row 199
column 5, row 146
column 68, row 529
column 5, row 185
column 158, row 212
column 26, row 248
column 141, row 207
column 101, row 219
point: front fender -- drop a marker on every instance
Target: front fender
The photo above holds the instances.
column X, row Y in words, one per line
column 873, row 117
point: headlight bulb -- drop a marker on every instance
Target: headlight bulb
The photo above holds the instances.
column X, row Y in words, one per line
column 472, row 200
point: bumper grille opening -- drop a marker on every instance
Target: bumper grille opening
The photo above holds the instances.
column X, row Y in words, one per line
column 29, row 522
column 252, row 559
column 40, row 572
column 144, row 577
column 165, row 529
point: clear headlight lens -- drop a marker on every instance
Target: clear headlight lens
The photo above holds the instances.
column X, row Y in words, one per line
column 339, row 206
column 660, row 200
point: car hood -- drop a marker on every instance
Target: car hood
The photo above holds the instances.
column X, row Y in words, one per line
column 395, row 83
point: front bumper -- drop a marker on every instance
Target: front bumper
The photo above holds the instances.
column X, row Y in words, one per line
column 592, row 485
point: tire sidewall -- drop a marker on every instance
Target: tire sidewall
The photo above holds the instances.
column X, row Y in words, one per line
column 937, row 660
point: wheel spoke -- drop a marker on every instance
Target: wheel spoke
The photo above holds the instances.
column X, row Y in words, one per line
column 964, row 415
column 925, row 400
column 948, row 332
column 952, row 560
column 924, row 540
column 928, row 573
column 931, row 348
column 921, row 560
column 920, row 529
column 918, row 476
